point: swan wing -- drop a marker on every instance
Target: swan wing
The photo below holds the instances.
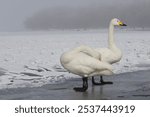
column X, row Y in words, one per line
column 85, row 64
column 89, row 51
column 85, row 50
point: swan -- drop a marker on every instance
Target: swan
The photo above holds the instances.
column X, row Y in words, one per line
column 86, row 61
column 112, row 54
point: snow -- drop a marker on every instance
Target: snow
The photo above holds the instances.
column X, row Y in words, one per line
column 31, row 59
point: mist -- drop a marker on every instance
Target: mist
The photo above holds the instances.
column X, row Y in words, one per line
column 23, row 15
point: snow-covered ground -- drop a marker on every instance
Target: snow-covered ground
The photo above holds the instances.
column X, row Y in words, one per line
column 32, row 59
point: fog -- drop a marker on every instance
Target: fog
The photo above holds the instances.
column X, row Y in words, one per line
column 21, row 15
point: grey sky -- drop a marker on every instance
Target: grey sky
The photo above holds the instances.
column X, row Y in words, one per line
column 88, row 13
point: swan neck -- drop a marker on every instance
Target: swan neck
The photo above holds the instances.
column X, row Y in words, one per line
column 111, row 40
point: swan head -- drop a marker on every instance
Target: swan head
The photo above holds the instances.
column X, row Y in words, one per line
column 117, row 22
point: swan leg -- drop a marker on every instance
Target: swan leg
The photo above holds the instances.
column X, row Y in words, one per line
column 95, row 83
column 84, row 87
column 102, row 82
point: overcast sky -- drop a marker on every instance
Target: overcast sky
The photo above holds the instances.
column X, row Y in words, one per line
column 17, row 15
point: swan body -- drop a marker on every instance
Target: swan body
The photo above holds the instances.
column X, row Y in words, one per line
column 86, row 61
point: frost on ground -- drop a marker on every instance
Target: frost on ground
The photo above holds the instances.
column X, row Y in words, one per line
column 32, row 59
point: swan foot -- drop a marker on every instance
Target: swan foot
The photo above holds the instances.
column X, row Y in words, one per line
column 80, row 89
column 108, row 82
column 85, row 85
column 102, row 82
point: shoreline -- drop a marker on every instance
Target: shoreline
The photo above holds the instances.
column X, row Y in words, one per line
column 127, row 86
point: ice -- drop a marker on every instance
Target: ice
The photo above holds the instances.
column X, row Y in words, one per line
column 31, row 59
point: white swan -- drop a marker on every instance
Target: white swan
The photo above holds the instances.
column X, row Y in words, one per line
column 85, row 61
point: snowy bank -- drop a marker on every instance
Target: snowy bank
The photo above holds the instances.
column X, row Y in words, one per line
column 31, row 59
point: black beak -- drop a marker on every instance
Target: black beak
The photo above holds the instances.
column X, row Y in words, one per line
column 123, row 25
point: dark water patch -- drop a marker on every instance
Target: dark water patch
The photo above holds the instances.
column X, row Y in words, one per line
column 10, row 84
column 30, row 74
column 11, row 80
column 38, row 70
column 58, row 68
column 46, row 69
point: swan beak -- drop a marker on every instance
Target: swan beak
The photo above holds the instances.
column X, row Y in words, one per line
column 122, row 24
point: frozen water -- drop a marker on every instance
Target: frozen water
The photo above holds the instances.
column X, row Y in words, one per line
column 32, row 59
